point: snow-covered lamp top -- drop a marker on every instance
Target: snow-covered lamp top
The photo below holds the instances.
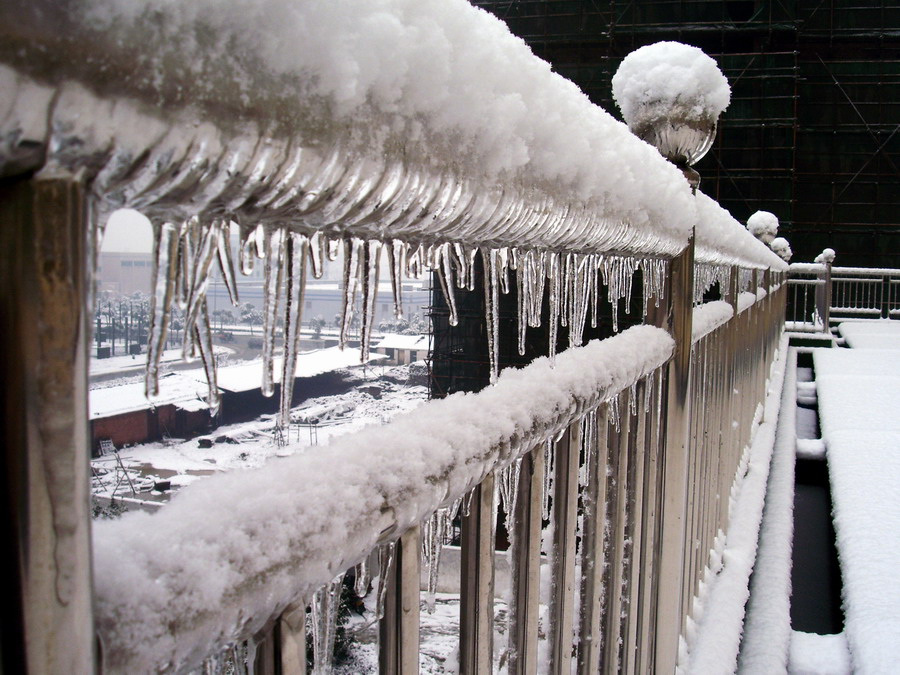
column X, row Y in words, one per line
column 782, row 248
column 671, row 95
column 763, row 225
column 826, row 257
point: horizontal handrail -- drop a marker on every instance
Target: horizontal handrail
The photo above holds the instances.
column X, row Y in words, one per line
column 231, row 552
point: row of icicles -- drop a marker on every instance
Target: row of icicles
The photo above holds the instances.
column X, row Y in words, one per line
column 437, row 531
column 186, row 255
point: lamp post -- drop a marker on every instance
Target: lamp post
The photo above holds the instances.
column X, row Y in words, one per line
column 671, row 96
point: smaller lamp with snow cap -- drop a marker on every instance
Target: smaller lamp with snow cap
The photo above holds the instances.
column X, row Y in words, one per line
column 671, row 96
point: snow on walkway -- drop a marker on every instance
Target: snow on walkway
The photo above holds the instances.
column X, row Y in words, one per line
column 871, row 334
column 859, row 406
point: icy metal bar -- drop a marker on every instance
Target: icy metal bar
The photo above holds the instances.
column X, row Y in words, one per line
column 565, row 515
column 590, row 642
column 292, row 641
column 45, row 336
column 675, row 462
column 525, row 561
column 398, row 631
column 476, row 612
column 636, row 577
column 617, row 510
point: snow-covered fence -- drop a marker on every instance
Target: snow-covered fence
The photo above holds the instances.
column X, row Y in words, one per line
column 426, row 130
column 821, row 292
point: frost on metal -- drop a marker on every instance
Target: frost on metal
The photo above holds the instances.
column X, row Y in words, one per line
column 671, row 95
column 172, row 587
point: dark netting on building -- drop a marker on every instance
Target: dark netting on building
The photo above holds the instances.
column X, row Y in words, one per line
column 813, row 130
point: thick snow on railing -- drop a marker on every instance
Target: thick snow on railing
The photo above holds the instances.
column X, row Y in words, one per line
column 709, row 316
column 232, row 551
column 421, row 120
column 723, row 240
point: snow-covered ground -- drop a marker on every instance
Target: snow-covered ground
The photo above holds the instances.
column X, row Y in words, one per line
column 379, row 394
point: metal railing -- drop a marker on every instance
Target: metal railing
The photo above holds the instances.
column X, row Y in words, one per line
column 644, row 431
column 821, row 294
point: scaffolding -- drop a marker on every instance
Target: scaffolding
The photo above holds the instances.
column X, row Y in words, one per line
column 813, row 130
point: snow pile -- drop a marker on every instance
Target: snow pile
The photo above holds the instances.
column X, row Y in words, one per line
column 826, row 257
column 709, row 316
column 767, row 628
column 230, row 551
column 858, row 391
column 871, row 334
column 813, row 654
column 781, row 248
column 721, row 239
column 669, row 79
column 746, row 299
column 763, row 225
column 720, row 622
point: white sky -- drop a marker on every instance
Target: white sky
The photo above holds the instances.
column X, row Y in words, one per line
column 128, row 232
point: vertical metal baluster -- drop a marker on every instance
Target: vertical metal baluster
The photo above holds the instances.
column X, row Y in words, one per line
column 618, row 515
column 398, row 631
column 593, row 562
column 565, row 514
column 676, row 316
column 291, row 640
column 476, row 612
column 46, row 330
column 264, row 660
column 525, row 563
column 636, row 577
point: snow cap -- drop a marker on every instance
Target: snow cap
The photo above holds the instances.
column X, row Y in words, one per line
column 669, row 79
column 763, row 225
column 826, row 257
column 782, row 248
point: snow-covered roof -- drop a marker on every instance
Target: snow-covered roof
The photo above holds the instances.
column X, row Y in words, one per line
column 181, row 389
column 397, row 341
column 248, row 376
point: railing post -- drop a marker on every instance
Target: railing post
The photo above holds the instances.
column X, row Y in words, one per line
column 525, row 566
column 291, row 641
column 676, row 317
column 565, row 515
column 398, row 631
column 590, row 642
column 45, row 484
column 476, row 612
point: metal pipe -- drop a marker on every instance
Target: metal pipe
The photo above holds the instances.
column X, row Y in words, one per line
column 565, row 516
column 476, row 611
column 45, row 336
column 525, row 559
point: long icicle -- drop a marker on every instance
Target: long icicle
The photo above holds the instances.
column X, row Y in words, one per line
column 271, row 287
column 203, row 334
column 491, row 308
column 370, row 273
column 444, row 272
column 295, row 266
column 226, row 262
column 352, row 250
column 396, row 254
column 165, row 265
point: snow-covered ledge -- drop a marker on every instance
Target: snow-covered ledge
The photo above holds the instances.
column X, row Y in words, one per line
column 173, row 586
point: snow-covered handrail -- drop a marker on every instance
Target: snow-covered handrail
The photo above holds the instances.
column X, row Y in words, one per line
column 723, row 240
column 709, row 316
column 172, row 587
column 426, row 122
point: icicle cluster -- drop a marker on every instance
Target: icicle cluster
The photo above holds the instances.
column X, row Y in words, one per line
column 184, row 256
column 706, row 275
